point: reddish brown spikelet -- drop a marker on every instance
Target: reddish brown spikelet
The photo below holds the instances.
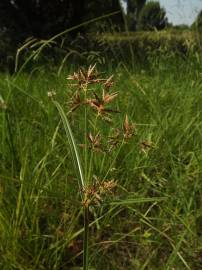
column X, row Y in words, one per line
column 145, row 146
column 99, row 104
column 90, row 72
column 108, row 83
column 95, row 142
column 128, row 129
column 107, row 98
column 107, row 186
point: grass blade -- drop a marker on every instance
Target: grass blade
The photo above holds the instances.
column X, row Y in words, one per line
column 72, row 144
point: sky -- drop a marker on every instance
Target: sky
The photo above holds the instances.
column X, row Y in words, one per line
column 181, row 11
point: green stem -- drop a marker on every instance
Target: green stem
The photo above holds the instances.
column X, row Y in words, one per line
column 113, row 161
column 92, row 155
column 85, row 140
column 86, row 238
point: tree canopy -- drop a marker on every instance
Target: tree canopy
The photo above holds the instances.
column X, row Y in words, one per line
column 197, row 25
column 198, row 22
column 42, row 18
column 152, row 16
column 133, row 10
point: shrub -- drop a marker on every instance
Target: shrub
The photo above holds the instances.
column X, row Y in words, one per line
column 144, row 44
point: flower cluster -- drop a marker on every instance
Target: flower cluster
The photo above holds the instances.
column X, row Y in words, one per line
column 88, row 90
column 94, row 193
column 83, row 95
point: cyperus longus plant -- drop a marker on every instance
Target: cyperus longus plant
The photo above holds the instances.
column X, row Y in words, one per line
column 91, row 100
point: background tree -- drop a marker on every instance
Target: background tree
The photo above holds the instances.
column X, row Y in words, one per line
column 42, row 18
column 36, row 18
column 152, row 16
column 198, row 22
column 198, row 26
column 134, row 8
column 94, row 9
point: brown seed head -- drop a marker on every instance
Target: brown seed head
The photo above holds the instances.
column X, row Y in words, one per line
column 128, row 129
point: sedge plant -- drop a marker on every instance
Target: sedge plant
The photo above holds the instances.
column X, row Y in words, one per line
column 93, row 96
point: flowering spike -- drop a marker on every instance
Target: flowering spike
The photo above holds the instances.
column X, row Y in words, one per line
column 90, row 70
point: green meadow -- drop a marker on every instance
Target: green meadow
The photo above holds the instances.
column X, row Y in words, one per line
column 152, row 219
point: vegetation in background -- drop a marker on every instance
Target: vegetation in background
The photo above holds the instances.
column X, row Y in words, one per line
column 146, row 45
column 198, row 21
column 24, row 26
column 42, row 19
column 152, row 17
column 133, row 10
column 197, row 26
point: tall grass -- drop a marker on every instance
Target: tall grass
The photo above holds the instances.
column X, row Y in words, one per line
column 153, row 221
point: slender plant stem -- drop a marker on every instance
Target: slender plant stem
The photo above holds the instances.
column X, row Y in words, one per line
column 86, row 207
column 92, row 155
column 86, row 237
column 85, row 149
column 113, row 161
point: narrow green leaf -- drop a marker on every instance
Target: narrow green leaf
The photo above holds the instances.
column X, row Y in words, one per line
column 72, row 144
column 137, row 200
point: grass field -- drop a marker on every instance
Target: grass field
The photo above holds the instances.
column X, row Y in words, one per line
column 153, row 218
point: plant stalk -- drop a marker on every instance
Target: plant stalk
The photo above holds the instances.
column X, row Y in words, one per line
column 86, row 238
